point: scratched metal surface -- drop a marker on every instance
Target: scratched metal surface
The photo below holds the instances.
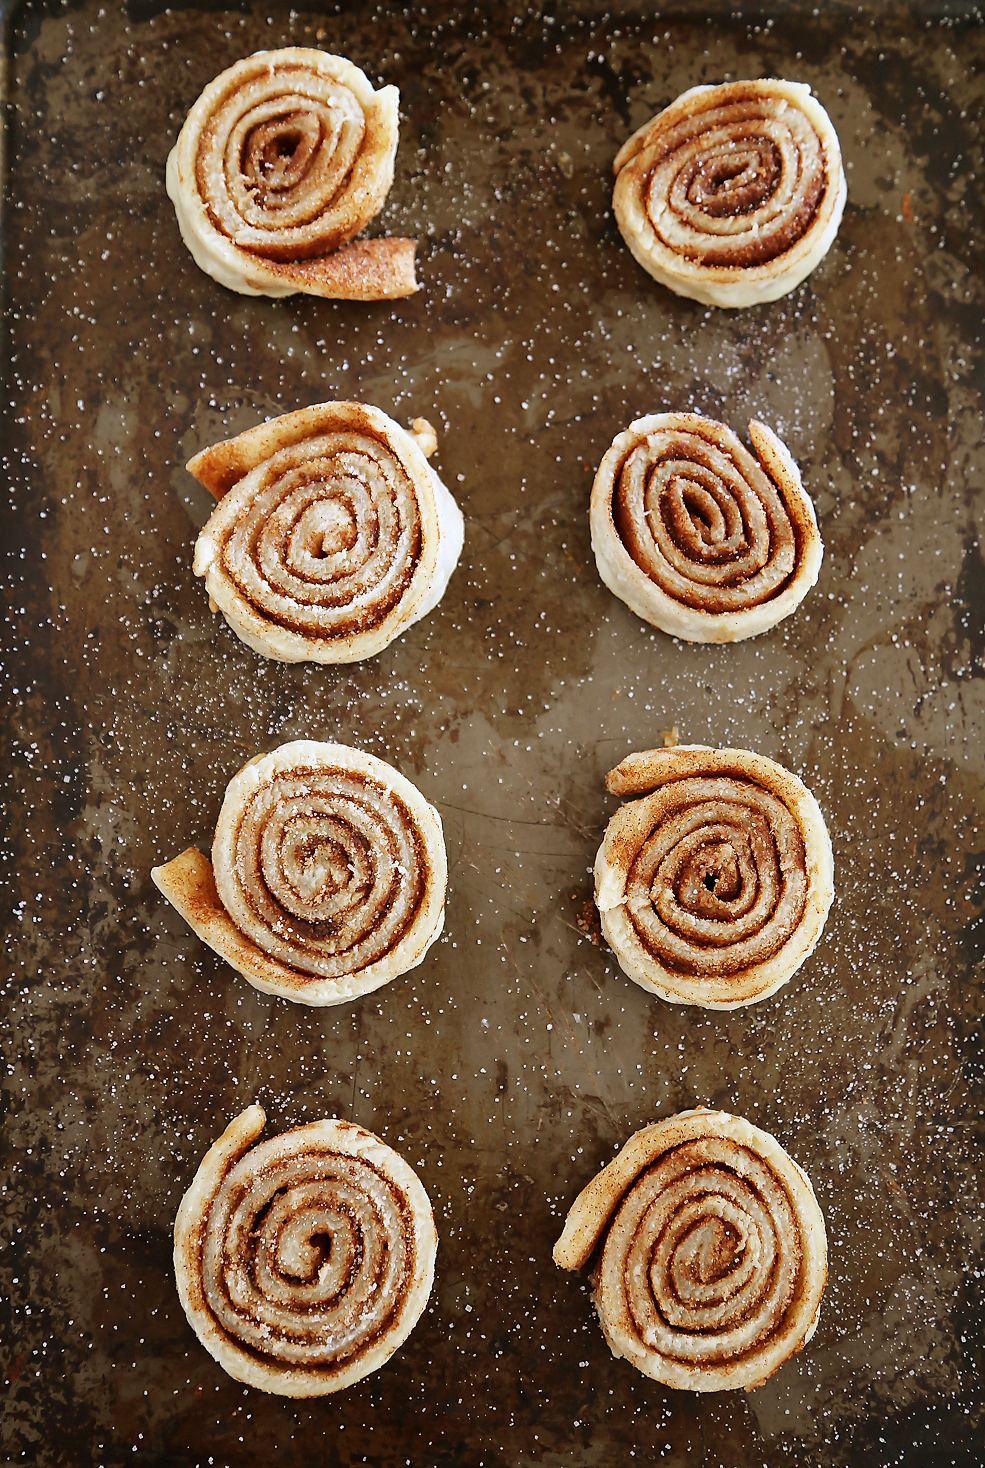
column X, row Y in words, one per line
column 510, row 1065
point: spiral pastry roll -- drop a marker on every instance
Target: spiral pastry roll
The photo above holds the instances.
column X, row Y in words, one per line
column 281, row 161
column 303, row 1262
column 332, row 535
column 713, row 888
column 698, row 537
column 710, row 1252
column 732, row 194
column 327, row 878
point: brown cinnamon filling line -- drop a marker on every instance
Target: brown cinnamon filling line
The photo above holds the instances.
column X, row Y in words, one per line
column 708, row 1248
column 760, row 249
column 720, row 884
column 704, row 524
column 728, row 187
column 328, row 549
column 744, row 161
column 333, row 869
column 305, row 1263
column 277, row 156
column 276, row 159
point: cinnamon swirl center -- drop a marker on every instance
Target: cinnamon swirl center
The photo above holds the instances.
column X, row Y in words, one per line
column 704, row 524
column 737, row 184
column 705, row 1250
column 306, row 1257
column 276, row 159
column 720, row 882
column 323, row 869
column 329, row 538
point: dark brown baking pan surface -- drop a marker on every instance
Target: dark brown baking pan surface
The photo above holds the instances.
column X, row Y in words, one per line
column 510, row 1065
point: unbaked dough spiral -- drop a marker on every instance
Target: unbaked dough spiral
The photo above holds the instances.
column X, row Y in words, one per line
column 327, row 878
column 332, row 536
column 304, row 1261
column 711, row 1256
column 698, row 537
column 733, row 193
column 713, row 888
column 281, row 161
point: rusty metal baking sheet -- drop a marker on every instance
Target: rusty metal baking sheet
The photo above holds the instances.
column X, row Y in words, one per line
column 513, row 1062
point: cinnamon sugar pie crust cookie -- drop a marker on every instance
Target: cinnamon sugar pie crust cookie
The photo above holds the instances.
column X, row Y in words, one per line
column 713, row 886
column 734, row 193
column 698, row 536
column 282, row 160
column 332, row 535
column 303, row 1261
column 709, row 1248
column 327, row 878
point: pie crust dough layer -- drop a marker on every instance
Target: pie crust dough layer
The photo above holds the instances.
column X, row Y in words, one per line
column 332, row 535
column 282, row 160
column 711, row 1254
column 697, row 536
column 327, row 878
column 733, row 193
column 714, row 887
column 304, row 1261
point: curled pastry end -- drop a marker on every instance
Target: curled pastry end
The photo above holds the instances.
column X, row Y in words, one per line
column 283, row 159
column 699, row 537
column 713, row 887
column 427, row 439
column 333, row 534
column 733, row 194
column 365, row 270
column 327, row 878
column 303, row 1261
column 709, row 1249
